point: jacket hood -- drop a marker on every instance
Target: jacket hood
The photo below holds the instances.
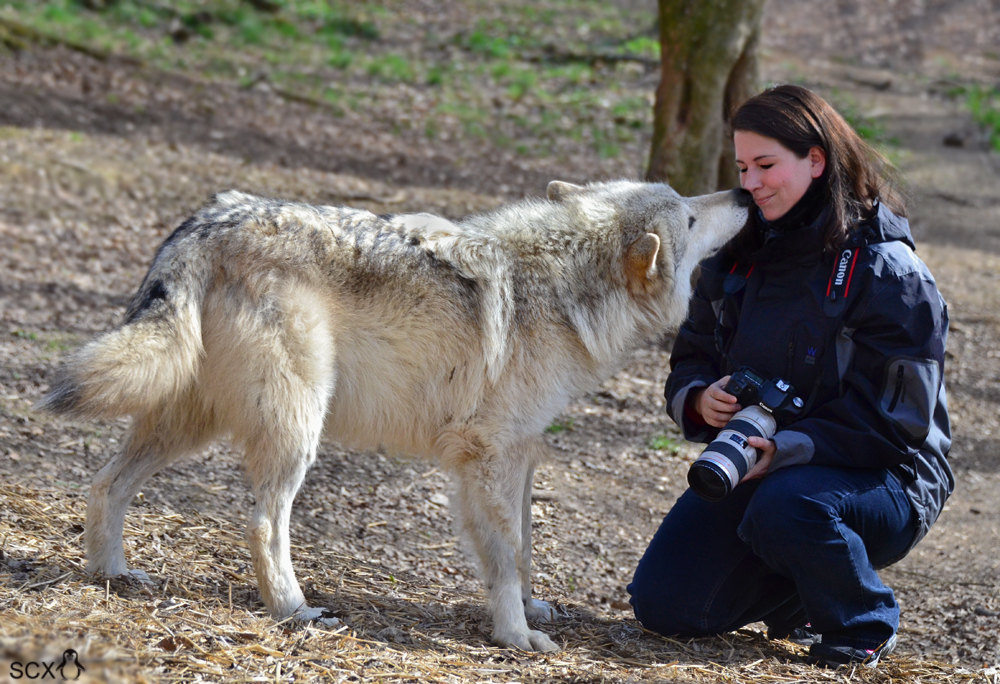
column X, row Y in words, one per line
column 885, row 226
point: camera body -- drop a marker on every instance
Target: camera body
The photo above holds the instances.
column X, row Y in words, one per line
column 767, row 406
column 775, row 396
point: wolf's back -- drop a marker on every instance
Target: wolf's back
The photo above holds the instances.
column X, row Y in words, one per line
column 153, row 355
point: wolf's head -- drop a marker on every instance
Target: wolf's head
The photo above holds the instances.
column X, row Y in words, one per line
column 661, row 237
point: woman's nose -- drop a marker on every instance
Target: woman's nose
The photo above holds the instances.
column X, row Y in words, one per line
column 750, row 180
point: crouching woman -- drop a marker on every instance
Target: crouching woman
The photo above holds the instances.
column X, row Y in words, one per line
column 823, row 290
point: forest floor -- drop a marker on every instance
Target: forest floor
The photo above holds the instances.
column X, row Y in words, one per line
column 102, row 155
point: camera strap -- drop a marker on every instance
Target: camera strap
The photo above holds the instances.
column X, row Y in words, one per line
column 834, row 306
column 733, row 284
column 741, row 272
column 840, row 281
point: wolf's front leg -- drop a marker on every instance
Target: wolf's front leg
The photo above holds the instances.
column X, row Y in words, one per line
column 534, row 609
column 491, row 500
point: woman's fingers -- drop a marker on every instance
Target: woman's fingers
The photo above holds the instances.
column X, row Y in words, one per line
column 718, row 390
column 767, row 450
column 717, row 405
column 718, row 418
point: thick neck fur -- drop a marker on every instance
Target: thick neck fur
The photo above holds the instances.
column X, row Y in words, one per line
column 579, row 256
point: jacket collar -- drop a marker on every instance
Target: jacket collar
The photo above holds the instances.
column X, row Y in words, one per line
column 806, row 244
column 798, row 246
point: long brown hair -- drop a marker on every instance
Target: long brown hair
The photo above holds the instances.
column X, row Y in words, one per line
column 857, row 176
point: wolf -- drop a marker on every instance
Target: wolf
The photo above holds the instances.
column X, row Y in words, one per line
column 273, row 323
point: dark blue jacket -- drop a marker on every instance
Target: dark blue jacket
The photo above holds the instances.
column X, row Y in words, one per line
column 862, row 332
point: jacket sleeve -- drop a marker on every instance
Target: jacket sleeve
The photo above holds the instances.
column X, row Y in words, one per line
column 891, row 401
column 694, row 362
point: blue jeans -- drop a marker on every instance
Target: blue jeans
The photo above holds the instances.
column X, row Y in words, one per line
column 800, row 546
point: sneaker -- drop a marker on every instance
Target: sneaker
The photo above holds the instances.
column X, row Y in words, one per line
column 829, row 655
column 803, row 636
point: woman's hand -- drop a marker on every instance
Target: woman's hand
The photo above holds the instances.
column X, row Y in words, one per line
column 715, row 405
column 767, row 448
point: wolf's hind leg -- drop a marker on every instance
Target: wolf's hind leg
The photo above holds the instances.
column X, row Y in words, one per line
column 276, row 469
column 274, row 488
column 491, row 496
column 278, row 452
column 534, row 609
column 153, row 442
column 272, row 377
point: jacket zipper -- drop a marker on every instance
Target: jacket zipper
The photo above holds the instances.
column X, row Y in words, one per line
column 899, row 393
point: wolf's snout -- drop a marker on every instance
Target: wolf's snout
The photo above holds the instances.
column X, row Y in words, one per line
column 744, row 198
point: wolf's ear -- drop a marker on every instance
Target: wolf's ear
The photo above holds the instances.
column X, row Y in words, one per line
column 559, row 190
column 640, row 262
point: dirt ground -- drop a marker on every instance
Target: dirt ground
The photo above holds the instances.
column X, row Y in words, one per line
column 89, row 185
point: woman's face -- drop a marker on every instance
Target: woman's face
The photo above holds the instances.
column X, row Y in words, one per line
column 776, row 177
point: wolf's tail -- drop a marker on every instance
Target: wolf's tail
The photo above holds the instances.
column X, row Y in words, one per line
column 155, row 352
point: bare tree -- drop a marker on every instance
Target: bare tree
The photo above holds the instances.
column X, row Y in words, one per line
column 709, row 64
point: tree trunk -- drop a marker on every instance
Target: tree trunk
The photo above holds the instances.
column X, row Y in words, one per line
column 709, row 65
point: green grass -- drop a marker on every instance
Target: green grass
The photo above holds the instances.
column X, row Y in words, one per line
column 869, row 128
column 522, row 81
column 488, row 80
column 665, row 443
column 437, row 74
column 560, row 426
column 348, row 26
column 984, row 103
column 335, row 98
column 647, row 47
column 604, row 144
column 58, row 345
column 631, row 111
column 340, row 57
column 392, row 68
column 491, row 46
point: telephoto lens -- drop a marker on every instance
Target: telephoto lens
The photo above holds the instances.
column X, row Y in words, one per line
column 729, row 457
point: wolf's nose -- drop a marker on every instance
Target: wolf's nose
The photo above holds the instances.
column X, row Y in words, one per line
column 744, row 198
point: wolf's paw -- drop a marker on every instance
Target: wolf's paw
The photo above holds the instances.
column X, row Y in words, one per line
column 530, row 640
column 126, row 581
column 324, row 616
column 540, row 611
column 137, row 576
column 128, row 578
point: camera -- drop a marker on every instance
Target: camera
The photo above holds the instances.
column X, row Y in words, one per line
column 768, row 405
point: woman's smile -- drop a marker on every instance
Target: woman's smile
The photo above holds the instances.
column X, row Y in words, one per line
column 775, row 176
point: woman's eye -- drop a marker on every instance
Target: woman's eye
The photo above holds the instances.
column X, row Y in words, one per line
column 743, row 170
column 765, row 167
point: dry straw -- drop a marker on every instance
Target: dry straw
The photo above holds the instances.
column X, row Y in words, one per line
column 202, row 621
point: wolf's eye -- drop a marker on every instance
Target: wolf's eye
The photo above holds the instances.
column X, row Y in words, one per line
column 690, row 222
